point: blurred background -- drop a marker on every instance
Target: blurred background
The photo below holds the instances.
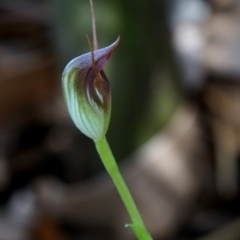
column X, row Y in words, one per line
column 175, row 125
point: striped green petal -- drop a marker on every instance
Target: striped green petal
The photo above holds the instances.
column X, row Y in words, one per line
column 87, row 92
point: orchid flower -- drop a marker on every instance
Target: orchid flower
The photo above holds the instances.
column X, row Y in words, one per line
column 87, row 91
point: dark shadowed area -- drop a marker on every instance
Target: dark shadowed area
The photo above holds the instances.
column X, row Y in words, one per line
column 175, row 126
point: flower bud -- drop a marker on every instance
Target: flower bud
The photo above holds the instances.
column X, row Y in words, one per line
column 87, row 92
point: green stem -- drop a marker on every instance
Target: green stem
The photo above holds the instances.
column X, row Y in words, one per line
column 110, row 164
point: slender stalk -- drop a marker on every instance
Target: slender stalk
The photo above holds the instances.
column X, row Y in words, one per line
column 110, row 164
column 95, row 42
